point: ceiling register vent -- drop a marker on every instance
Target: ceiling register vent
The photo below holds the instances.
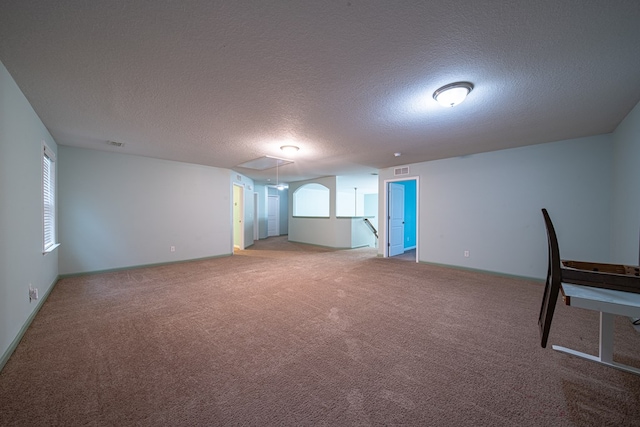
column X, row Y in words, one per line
column 401, row 171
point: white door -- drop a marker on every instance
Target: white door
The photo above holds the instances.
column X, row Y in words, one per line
column 396, row 219
column 273, row 216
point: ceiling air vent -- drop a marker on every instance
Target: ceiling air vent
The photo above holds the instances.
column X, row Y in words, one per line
column 401, row 171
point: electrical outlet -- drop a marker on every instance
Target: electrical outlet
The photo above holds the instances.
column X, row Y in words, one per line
column 172, row 248
column 33, row 293
column 466, row 254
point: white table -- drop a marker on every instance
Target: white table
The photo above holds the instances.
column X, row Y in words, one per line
column 608, row 303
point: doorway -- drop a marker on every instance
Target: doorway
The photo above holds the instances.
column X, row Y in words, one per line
column 401, row 212
column 238, row 215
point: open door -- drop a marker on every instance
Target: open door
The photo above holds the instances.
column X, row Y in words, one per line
column 396, row 219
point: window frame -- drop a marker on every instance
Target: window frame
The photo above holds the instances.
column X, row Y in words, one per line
column 312, row 186
column 49, row 220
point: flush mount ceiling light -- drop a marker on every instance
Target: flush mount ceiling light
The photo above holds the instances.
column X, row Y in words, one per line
column 452, row 94
column 289, row 149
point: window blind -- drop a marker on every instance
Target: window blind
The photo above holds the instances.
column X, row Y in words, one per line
column 48, row 197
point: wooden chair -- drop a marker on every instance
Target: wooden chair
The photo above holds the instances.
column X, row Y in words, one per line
column 607, row 276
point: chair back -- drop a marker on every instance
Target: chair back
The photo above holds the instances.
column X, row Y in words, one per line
column 553, row 283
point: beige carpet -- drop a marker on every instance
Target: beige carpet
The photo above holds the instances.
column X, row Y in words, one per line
column 288, row 334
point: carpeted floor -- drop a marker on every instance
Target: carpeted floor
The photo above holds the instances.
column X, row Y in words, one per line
column 288, row 334
column 409, row 255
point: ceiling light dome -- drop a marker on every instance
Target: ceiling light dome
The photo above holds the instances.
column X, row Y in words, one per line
column 290, row 149
column 452, row 94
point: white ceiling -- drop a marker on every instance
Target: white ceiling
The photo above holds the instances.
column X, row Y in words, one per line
column 224, row 82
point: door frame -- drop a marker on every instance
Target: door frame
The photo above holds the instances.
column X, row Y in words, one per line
column 395, row 227
column 385, row 222
column 256, row 216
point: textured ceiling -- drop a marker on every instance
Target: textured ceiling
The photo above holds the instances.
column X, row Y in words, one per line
column 350, row 82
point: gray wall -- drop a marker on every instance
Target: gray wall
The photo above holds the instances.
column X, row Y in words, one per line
column 489, row 204
column 118, row 210
column 21, row 259
column 625, row 225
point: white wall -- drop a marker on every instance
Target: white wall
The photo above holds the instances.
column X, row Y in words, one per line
column 118, row 210
column 625, row 225
column 489, row 204
column 21, row 259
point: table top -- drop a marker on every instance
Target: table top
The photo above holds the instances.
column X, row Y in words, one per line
column 605, row 300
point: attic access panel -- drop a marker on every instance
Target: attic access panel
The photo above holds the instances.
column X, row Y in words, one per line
column 264, row 163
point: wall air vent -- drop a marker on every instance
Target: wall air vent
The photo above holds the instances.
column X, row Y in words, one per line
column 401, row 171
